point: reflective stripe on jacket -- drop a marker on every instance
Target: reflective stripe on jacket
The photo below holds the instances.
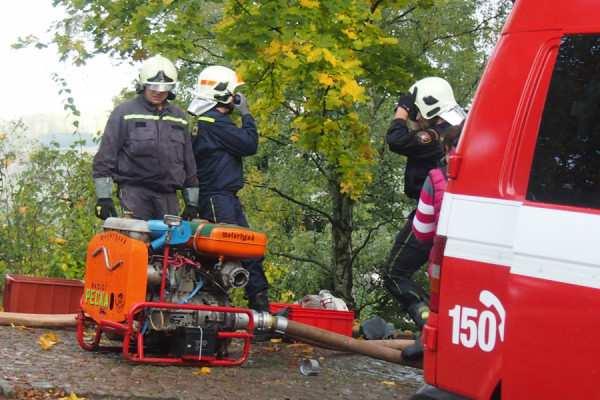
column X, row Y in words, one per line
column 430, row 204
column 144, row 147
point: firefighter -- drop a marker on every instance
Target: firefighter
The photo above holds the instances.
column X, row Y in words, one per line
column 431, row 109
column 219, row 148
column 147, row 151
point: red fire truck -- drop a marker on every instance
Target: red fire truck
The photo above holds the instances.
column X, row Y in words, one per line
column 515, row 271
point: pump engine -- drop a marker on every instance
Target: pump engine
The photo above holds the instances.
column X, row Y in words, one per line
column 162, row 289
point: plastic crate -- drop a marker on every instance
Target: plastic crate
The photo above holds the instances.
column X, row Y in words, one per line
column 37, row 295
column 330, row 320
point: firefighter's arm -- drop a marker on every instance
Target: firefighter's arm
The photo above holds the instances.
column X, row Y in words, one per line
column 105, row 160
column 104, row 164
column 191, row 192
column 240, row 142
column 398, row 136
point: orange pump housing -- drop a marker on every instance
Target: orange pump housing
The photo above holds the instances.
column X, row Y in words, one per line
column 228, row 241
column 115, row 276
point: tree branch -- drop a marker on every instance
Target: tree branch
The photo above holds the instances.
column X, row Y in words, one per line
column 295, row 201
column 482, row 25
column 298, row 258
column 375, row 4
column 367, row 239
column 397, row 18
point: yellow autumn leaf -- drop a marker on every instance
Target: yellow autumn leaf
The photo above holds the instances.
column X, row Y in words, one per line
column 350, row 33
column 2, row 135
column 72, row 396
column 167, row 2
column 353, row 89
column 48, row 340
column 22, row 210
column 388, row 383
column 309, row 3
column 273, row 50
column 276, row 340
column 314, row 55
column 202, row 371
column 388, row 40
column 57, row 240
column 330, row 126
column 325, row 79
column 330, row 58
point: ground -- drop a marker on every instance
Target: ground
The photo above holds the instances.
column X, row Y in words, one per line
column 29, row 372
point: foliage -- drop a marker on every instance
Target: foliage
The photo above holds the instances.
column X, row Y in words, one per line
column 45, row 221
column 322, row 78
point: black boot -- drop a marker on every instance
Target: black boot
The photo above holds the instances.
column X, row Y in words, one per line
column 414, row 352
column 260, row 301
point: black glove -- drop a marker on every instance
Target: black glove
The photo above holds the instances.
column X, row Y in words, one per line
column 407, row 102
column 105, row 208
column 189, row 212
column 241, row 104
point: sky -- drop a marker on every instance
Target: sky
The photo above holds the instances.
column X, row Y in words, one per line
column 31, row 94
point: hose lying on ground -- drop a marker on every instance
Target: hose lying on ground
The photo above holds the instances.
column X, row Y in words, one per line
column 38, row 320
column 341, row 342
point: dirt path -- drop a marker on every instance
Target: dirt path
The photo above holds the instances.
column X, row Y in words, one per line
column 27, row 371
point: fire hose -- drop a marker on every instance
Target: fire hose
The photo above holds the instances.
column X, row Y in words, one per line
column 387, row 350
column 318, row 336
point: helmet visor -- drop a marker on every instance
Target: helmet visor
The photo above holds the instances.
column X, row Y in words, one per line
column 454, row 116
column 160, row 87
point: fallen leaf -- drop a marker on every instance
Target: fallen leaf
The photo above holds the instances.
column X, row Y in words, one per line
column 389, row 383
column 72, row 396
column 202, row 371
column 276, row 340
column 46, row 341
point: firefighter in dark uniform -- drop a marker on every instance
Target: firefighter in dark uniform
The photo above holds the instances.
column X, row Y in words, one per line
column 147, row 150
column 430, row 108
column 219, row 148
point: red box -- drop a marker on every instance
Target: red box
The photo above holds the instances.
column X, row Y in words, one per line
column 331, row 320
column 37, row 295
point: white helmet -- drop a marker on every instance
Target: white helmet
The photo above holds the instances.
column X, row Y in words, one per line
column 158, row 73
column 216, row 84
column 434, row 98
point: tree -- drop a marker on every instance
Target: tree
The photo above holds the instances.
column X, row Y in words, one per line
column 322, row 77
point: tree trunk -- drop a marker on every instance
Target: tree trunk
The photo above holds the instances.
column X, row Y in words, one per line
column 341, row 234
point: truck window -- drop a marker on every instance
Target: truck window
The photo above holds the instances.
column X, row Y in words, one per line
column 566, row 164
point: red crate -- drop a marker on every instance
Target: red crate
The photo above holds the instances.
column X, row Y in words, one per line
column 331, row 320
column 36, row 295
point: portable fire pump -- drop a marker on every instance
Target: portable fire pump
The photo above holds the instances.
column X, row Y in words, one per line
column 162, row 289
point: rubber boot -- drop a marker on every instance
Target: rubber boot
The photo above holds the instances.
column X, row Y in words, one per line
column 419, row 312
column 260, row 301
column 414, row 352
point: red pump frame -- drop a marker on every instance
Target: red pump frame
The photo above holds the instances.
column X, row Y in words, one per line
column 128, row 332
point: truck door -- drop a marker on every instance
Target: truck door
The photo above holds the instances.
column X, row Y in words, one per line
column 553, row 294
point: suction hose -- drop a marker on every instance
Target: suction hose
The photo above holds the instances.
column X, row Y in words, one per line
column 267, row 322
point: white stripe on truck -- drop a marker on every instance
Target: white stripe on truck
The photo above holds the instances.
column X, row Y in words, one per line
column 545, row 243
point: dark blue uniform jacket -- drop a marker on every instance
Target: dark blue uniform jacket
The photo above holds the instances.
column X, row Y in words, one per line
column 219, row 147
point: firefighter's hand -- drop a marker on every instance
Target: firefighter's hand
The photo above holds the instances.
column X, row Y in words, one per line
column 189, row 212
column 241, row 104
column 105, row 208
column 407, row 103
